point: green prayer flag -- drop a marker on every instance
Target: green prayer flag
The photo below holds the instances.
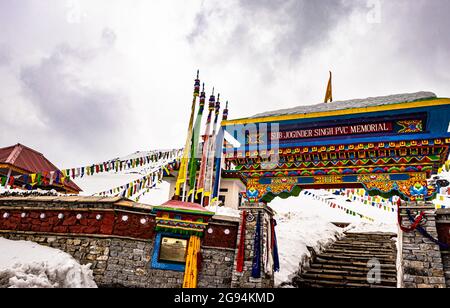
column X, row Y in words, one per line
column 194, row 145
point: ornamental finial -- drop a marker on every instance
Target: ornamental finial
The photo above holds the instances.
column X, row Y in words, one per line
column 225, row 112
column 197, row 85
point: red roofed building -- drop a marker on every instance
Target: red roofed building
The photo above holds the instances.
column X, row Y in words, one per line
column 19, row 160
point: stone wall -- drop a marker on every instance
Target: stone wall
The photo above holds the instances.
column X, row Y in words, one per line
column 118, row 244
column 422, row 261
column 244, row 279
column 443, row 228
column 217, row 268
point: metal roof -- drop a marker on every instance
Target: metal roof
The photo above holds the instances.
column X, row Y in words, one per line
column 30, row 161
column 350, row 104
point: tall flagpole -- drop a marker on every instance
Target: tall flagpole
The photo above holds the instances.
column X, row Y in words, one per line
column 194, row 145
column 218, row 157
column 206, row 140
column 210, row 168
column 182, row 174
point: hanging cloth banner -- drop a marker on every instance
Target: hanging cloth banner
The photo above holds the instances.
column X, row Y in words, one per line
column 241, row 247
column 256, row 265
column 276, row 258
column 130, row 189
column 117, row 165
column 333, row 205
column 62, row 177
column 268, row 247
column 191, row 269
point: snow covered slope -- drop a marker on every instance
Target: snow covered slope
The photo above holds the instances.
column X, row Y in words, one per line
column 29, row 265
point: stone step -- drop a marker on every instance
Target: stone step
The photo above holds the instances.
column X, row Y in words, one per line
column 369, row 241
column 371, row 235
column 355, row 258
column 350, row 269
column 365, row 244
column 362, row 252
column 362, row 248
column 345, row 263
column 317, row 283
column 354, row 273
column 350, row 263
column 347, row 279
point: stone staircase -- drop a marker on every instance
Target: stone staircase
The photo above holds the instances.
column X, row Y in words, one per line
column 345, row 264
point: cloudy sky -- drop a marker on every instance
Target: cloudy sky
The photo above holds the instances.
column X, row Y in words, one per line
column 87, row 80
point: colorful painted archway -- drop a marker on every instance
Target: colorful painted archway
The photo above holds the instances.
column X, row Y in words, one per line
column 388, row 145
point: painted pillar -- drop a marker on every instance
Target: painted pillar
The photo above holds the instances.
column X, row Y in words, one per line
column 421, row 258
column 244, row 279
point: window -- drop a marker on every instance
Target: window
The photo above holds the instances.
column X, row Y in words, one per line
column 173, row 250
column 224, row 190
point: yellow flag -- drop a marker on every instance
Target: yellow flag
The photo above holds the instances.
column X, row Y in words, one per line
column 182, row 173
column 329, row 93
column 33, row 179
column 191, row 272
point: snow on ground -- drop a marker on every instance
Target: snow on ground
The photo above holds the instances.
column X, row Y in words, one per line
column 29, row 265
column 20, row 192
column 157, row 195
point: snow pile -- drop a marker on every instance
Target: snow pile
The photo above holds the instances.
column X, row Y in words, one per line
column 9, row 192
column 223, row 211
column 29, row 265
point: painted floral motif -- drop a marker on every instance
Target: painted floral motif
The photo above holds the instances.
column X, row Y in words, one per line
column 415, row 188
column 410, row 126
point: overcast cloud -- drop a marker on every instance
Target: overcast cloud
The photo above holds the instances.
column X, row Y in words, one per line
column 83, row 81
